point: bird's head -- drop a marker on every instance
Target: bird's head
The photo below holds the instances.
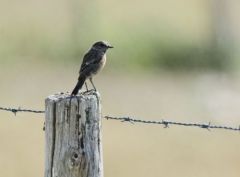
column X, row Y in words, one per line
column 102, row 46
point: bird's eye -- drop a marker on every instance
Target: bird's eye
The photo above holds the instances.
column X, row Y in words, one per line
column 102, row 45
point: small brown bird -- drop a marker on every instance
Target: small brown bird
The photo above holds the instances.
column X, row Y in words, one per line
column 93, row 62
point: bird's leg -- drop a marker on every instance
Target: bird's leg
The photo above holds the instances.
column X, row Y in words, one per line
column 92, row 84
column 86, row 86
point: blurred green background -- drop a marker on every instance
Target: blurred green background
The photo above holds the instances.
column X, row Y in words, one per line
column 175, row 60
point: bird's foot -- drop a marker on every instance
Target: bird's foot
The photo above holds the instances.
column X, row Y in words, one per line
column 88, row 91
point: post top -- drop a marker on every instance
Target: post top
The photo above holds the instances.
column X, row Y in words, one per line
column 84, row 95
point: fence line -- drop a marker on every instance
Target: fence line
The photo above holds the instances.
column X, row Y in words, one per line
column 163, row 122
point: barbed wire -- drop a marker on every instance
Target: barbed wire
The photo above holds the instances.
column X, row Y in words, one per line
column 14, row 110
column 165, row 123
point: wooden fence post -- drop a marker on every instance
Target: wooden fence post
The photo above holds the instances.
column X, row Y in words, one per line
column 73, row 136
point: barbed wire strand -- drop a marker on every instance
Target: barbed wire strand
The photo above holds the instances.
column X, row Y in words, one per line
column 163, row 122
column 166, row 123
column 15, row 111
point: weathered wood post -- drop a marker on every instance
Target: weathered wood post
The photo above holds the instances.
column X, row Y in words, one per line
column 73, row 136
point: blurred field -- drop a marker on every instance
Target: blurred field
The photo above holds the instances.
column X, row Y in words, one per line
column 129, row 150
column 176, row 60
column 172, row 34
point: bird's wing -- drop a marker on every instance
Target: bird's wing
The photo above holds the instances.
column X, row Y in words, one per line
column 90, row 58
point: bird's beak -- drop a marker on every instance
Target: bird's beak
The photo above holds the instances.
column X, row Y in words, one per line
column 110, row 47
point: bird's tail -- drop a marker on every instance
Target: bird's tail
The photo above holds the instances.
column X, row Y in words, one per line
column 79, row 85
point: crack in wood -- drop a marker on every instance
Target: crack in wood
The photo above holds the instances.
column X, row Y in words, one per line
column 53, row 136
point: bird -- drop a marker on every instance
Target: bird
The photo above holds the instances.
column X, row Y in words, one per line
column 93, row 62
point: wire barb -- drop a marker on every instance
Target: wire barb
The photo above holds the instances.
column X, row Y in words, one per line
column 206, row 126
column 165, row 123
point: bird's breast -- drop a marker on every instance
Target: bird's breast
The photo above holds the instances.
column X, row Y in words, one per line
column 99, row 66
column 103, row 61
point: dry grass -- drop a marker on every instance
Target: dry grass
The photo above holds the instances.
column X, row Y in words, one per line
column 129, row 150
